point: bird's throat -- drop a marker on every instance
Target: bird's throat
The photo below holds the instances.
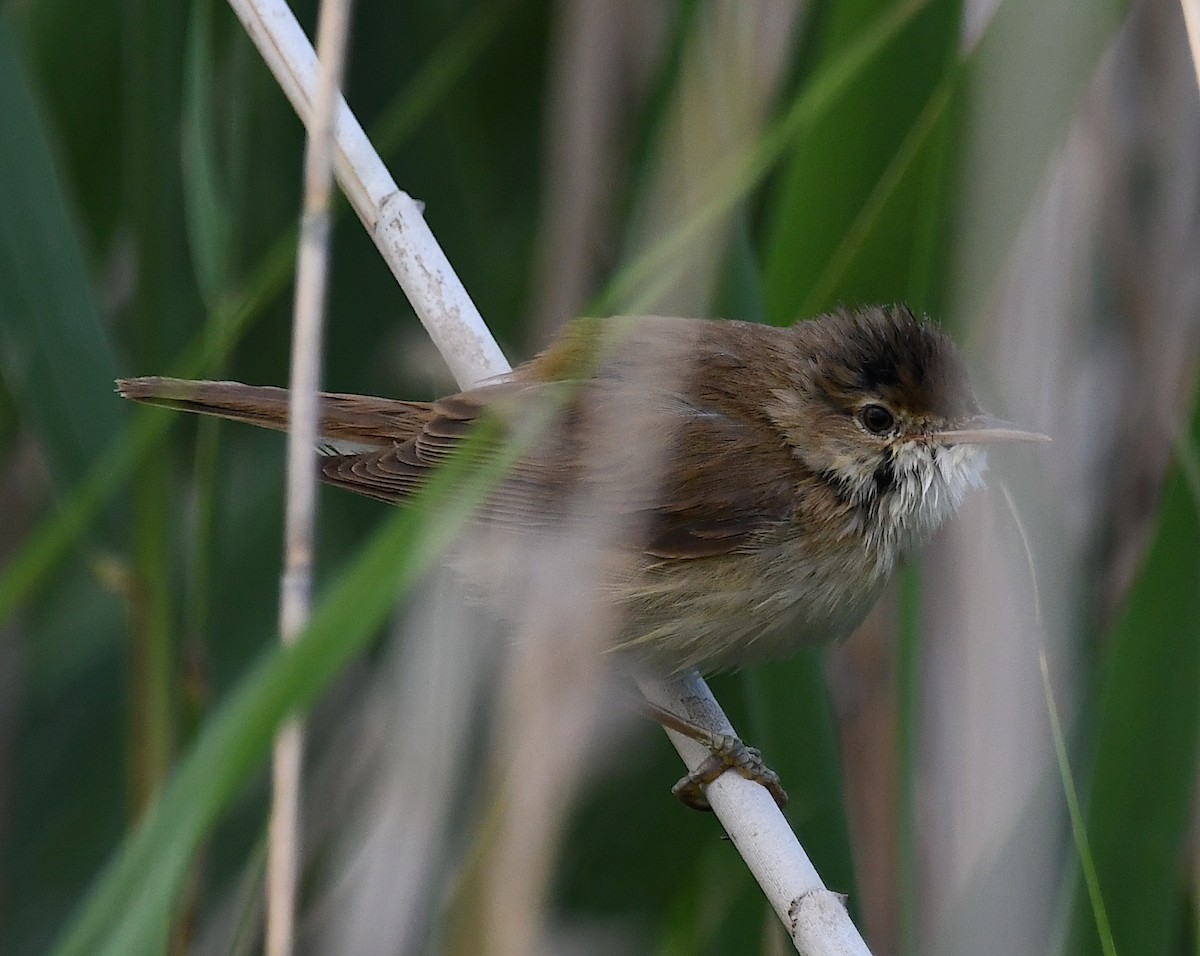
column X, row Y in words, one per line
column 923, row 487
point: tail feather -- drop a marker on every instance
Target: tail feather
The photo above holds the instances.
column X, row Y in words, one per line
column 348, row 422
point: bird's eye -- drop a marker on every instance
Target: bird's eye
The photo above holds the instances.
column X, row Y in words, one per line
column 877, row 419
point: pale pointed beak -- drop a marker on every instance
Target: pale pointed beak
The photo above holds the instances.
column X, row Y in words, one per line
column 984, row 428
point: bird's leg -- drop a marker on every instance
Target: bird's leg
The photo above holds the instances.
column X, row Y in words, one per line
column 725, row 752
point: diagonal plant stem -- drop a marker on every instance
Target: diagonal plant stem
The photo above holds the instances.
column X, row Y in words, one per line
column 815, row 918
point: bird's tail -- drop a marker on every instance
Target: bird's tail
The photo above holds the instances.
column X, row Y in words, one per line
column 349, row 423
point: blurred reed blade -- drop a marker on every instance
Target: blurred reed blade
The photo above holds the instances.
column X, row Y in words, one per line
column 126, row 907
column 1083, row 848
column 209, row 218
column 895, row 238
column 1022, row 85
column 659, row 266
column 445, row 66
column 849, row 164
column 1142, row 798
column 55, row 352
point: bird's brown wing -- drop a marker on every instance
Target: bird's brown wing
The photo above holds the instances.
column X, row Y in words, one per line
column 699, row 472
column 729, row 486
column 526, row 496
column 396, row 473
column 721, row 485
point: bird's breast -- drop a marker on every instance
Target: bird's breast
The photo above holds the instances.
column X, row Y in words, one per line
column 727, row 611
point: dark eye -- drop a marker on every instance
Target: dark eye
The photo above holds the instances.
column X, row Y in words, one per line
column 877, row 419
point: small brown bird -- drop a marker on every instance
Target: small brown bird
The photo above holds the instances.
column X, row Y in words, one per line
column 768, row 479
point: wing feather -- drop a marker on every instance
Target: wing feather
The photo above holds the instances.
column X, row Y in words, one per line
column 728, row 481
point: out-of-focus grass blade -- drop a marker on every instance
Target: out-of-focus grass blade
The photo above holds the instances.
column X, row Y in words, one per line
column 820, row 252
column 124, row 912
column 1143, row 787
column 1078, row 825
column 54, row 349
column 659, row 265
column 446, row 65
column 1023, row 85
column 888, row 251
column 209, row 220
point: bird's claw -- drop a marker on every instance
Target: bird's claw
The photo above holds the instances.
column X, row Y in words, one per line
column 727, row 752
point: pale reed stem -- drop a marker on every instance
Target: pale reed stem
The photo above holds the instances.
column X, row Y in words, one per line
column 295, row 601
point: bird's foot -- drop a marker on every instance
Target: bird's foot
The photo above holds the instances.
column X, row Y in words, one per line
column 726, row 752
